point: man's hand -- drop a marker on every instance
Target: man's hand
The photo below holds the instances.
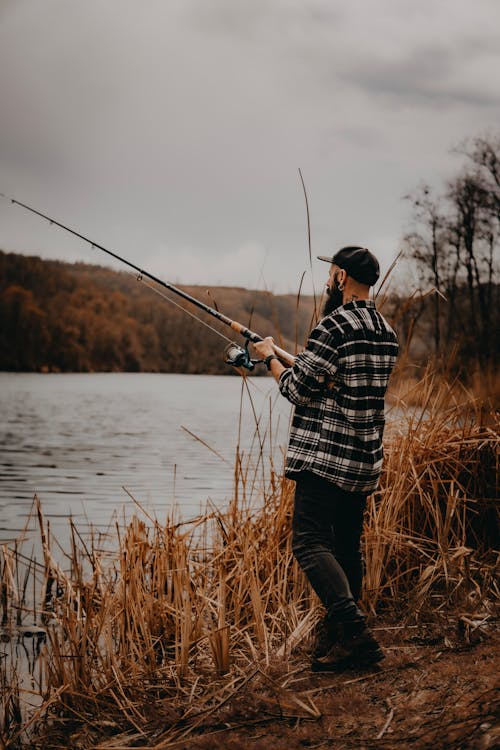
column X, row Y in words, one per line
column 265, row 347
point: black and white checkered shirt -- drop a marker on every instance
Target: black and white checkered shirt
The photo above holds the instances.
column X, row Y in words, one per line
column 338, row 385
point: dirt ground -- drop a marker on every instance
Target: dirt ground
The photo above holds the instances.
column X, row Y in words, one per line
column 437, row 688
column 433, row 691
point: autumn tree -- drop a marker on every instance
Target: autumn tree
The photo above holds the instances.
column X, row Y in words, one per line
column 80, row 318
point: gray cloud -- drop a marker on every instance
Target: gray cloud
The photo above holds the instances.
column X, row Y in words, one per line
column 174, row 131
column 426, row 77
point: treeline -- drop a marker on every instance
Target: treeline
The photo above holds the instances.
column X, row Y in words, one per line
column 60, row 317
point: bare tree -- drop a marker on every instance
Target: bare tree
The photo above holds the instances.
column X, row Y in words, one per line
column 456, row 249
column 428, row 248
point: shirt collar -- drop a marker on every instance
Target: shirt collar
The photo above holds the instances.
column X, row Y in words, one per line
column 359, row 303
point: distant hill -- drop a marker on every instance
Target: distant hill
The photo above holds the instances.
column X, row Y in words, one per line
column 61, row 317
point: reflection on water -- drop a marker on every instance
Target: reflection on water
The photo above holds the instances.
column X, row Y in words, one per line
column 78, row 440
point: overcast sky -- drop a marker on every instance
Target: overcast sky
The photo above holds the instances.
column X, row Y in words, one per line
column 172, row 130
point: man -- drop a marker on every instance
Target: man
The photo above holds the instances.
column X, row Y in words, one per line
column 337, row 386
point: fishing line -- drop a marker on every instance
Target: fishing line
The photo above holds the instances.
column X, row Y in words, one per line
column 173, row 302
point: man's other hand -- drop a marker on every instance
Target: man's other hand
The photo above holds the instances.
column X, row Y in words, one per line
column 265, row 347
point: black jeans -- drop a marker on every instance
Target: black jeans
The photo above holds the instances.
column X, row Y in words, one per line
column 326, row 532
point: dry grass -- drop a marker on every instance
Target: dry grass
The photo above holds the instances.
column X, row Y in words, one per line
column 184, row 621
column 437, row 506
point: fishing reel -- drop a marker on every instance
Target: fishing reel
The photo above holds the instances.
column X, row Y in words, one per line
column 239, row 356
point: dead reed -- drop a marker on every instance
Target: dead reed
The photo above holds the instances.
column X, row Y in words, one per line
column 138, row 646
column 432, row 535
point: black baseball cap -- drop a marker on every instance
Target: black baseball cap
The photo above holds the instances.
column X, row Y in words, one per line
column 359, row 263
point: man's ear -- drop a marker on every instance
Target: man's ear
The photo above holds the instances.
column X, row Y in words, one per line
column 341, row 277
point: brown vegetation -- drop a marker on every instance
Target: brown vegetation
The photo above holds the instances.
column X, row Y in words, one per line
column 196, row 634
column 58, row 317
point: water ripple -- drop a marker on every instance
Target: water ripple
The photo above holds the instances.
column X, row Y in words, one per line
column 104, row 432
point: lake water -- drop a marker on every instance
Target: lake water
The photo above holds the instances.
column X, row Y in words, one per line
column 77, row 440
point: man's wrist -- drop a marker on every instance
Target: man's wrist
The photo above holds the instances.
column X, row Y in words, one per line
column 269, row 359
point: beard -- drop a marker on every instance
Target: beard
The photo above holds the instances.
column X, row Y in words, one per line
column 334, row 299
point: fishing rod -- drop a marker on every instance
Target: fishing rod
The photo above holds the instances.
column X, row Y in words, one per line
column 235, row 354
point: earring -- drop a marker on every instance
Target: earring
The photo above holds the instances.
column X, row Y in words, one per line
column 341, row 286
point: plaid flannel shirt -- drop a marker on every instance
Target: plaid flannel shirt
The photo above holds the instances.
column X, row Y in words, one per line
column 337, row 385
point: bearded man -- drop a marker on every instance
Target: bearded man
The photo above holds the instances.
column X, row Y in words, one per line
column 337, row 385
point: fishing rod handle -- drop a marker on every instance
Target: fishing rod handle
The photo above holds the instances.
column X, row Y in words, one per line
column 286, row 358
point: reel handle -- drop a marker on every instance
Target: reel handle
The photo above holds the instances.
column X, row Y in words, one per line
column 237, row 356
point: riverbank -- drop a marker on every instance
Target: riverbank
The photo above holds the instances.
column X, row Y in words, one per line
column 435, row 690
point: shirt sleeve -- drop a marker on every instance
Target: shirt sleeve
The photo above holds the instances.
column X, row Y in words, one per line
column 313, row 369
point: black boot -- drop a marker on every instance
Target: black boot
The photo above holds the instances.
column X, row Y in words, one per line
column 323, row 640
column 353, row 645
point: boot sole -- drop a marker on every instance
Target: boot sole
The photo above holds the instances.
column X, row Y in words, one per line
column 340, row 665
